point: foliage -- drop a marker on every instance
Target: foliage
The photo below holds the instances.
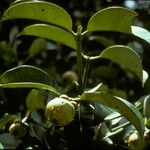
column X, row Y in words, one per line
column 109, row 92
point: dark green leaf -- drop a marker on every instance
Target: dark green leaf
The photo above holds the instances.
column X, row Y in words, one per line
column 41, row 11
column 8, row 141
column 7, row 118
column 102, row 40
column 36, row 99
column 38, row 131
column 26, row 73
column 30, row 85
column 51, row 33
column 112, row 19
column 120, row 105
column 105, row 72
column 146, row 107
column 37, row 47
column 125, row 57
column 141, row 33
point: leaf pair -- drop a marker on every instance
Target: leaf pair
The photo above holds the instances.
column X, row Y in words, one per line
column 56, row 20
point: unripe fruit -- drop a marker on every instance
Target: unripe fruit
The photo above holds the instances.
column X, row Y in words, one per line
column 17, row 129
column 60, row 111
column 69, row 77
column 134, row 140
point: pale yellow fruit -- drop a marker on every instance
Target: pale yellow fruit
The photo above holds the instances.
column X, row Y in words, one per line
column 60, row 111
column 134, row 141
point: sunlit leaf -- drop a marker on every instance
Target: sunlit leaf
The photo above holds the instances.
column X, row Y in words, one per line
column 40, row 11
column 125, row 57
column 1, row 146
column 7, row 118
column 36, row 99
column 8, row 141
column 145, row 76
column 51, row 33
column 141, row 33
column 26, row 73
column 122, row 106
column 112, row 19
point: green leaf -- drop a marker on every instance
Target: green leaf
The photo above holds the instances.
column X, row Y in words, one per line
column 122, row 106
column 40, row 11
column 26, row 76
column 7, row 118
column 30, row 85
column 26, row 73
column 36, row 99
column 37, row 47
column 8, row 141
column 51, row 33
column 146, row 106
column 115, row 18
column 38, row 131
column 141, row 33
column 105, row 72
column 1, row 146
column 125, row 57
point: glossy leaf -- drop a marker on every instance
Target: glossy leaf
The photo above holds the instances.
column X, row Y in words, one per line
column 146, row 107
column 37, row 47
column 7, row 118
column 38, row 131
column 141, row 33
column 40, row 11
column 30, row 85
column 112, row 19
column 125, row 57
column 8, row 141
column 36, row 100
column 51, row 33
column 19, row 1
column 145, row 76
column 122, row 106
column 26, row 73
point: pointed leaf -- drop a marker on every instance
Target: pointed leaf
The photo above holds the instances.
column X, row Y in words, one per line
column 8, row 141
column 30, row 85
column 141, row 33
column 51, row 33
column 122, row 106
column 41, row 11
column 116, row 18
column 26, row 73
column 126, row 57
column 36, row 100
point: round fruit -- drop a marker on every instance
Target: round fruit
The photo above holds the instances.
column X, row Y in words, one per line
column 17, row 129
column 134, row 140
column 69, row 77
column 60, row 111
